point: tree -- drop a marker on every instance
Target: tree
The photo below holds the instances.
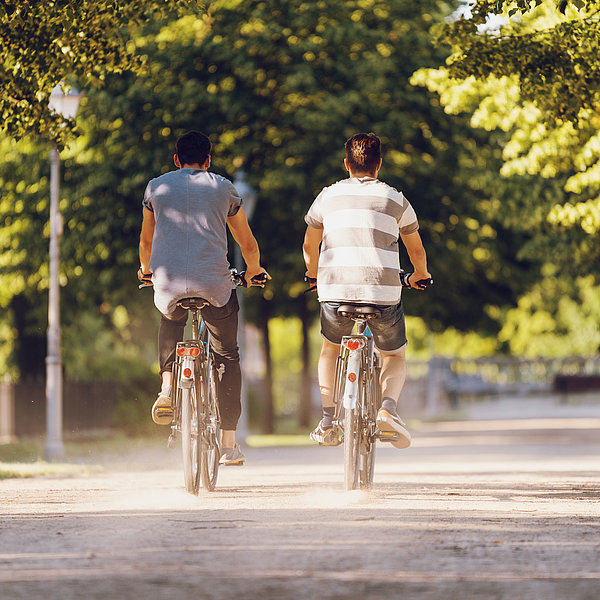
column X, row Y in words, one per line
column 535, row 74
column 44, row 44
column 266, row 80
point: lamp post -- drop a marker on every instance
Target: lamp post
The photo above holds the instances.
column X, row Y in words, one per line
column 66, row 105
column 249, row 196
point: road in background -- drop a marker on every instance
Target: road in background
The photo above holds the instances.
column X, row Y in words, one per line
column 476, row 509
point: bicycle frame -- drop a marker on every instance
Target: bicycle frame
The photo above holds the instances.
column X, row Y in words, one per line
column 196, row 418
column 355, row 393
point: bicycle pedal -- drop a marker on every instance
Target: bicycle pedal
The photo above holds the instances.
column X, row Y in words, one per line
column 163, row 413
column 386, row 436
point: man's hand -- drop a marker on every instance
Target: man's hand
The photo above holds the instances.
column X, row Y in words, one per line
column 145, row 278
column 312, row 283
column 420, row 280
column 259, row 274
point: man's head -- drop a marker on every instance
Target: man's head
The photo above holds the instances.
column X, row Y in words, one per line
column 363, row 154
column 192, row 148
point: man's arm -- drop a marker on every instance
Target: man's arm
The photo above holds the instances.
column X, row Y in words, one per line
column 417, row 256
column 146, row 237
column 242, row 234
column 310, row 250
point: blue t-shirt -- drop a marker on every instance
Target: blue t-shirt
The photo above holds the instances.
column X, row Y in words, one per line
column 189, row 247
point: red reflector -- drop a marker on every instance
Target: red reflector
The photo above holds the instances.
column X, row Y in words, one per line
column 352, row 377
column 181, row 351
column 353, row 344
column 187, row 372
column 194, row 351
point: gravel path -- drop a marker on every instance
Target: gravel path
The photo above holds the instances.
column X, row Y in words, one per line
column 474, row 510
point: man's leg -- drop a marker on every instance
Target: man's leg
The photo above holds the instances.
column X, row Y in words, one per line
column 326, row 372
column 323, row 432
column 333, row 329
column 170, row 331
column 222, row 323
column 389, row 332
column 393, row 376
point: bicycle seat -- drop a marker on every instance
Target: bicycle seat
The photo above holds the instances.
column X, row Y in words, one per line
column 192, row 303
column 359, row 311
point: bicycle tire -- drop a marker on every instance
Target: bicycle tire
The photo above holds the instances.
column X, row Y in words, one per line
column 209, row 448
column 351, row 449
column 190, row 440
column 369, row 404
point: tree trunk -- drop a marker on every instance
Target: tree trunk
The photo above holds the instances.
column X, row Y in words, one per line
column 269, row 412
column 304, row 412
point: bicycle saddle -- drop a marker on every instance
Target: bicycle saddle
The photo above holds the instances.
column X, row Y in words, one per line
column 192, row 303
column 359, row 311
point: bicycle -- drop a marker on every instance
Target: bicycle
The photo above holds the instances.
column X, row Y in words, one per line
column 357, row 392
column 194, row 403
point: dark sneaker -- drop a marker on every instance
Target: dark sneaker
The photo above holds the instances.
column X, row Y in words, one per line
column 390, row 423
column 162, row 412
column 325, row 436
column 232, row 456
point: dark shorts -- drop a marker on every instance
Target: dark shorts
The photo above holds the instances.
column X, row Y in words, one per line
column 389, row 330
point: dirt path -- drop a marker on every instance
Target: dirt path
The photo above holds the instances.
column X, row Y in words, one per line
column 475, row 510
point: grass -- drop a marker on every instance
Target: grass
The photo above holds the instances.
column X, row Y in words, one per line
column 41, row 468
column 273, row 440
column 86, row 454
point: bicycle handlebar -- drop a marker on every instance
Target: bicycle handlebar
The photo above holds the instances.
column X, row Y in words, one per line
column 238, row 278
column 422, row 284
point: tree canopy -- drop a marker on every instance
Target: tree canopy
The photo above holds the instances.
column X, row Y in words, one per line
column 534, row 74
column 60, row 42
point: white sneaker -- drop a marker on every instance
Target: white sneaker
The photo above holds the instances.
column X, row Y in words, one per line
column 391, row 422
column 232, row 456
column 162, row 411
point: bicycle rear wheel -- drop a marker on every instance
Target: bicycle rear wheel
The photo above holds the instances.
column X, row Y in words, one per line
column 190, row 440
column 209, row 448
column 351, row 448
column 369, row 404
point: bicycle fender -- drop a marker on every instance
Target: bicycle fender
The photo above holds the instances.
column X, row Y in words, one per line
column 187, row 365
column 351, row 385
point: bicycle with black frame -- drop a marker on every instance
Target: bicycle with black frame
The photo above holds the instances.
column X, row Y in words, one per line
column 194, row 404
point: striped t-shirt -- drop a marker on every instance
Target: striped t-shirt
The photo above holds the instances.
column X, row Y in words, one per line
column 361, row 219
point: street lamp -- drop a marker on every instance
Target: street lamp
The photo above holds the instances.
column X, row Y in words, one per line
column 65, row 104
column 249, row 196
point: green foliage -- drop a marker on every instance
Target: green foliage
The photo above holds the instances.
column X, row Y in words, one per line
column 44, row 44
column 535, row 78
column 558, row 317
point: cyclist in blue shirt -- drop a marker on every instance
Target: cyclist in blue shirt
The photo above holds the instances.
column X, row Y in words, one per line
column 183, row 245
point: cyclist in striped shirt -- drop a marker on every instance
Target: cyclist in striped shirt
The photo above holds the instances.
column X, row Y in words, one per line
column 351, row 248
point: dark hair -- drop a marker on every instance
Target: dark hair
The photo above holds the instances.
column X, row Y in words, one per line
column 193, row 147
column 363, row 152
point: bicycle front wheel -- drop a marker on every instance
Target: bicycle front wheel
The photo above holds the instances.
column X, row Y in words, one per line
column 190, row 440
column 209, row 448
column 351, row 448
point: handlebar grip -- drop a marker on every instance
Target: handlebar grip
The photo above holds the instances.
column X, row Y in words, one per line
column 421, row 283
column 425, row 282
column 260, row 279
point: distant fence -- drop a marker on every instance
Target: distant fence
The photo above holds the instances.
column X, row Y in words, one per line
column 86, row 406
column 440, row 383
column 432, row 387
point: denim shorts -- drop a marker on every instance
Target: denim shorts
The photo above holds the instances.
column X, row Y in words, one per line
column 389, row 330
